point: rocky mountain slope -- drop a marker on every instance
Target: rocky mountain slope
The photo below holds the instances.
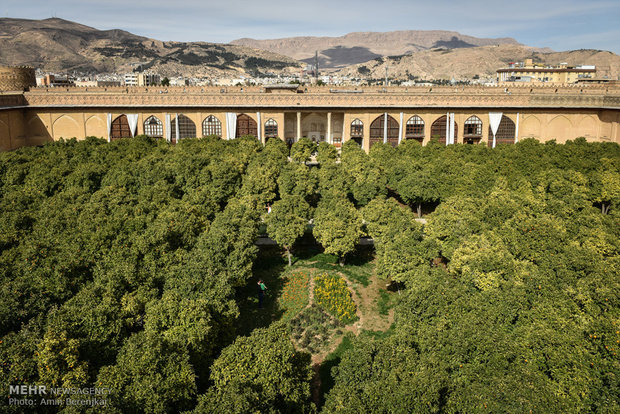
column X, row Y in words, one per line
column 60, row 45
column 479, row 61
column 360, row 47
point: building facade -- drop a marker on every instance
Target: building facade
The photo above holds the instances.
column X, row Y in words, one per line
column 474, row 114
column 530, row 72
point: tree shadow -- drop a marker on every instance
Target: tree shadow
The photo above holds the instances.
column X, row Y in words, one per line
column 325, row 369
column 268, row 266
column 361, row 255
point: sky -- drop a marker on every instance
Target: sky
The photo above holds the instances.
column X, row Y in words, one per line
column 558, row 24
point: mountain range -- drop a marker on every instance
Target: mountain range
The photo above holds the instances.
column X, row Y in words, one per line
column 64, row 46
column 60, row 45
column 358, row 47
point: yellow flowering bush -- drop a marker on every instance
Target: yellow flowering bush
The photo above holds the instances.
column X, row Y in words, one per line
column 333, row 295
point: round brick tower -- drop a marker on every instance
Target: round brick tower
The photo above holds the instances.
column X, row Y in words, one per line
column 16, row 78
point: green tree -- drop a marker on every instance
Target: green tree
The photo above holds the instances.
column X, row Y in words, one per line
column 418, row 185
column 228, row 246
column 287, row 221
column 296, row 179
column 276, row 150
column 302, row 150
column 607, row 189
column 259, row 181
column 149, row 375
column 326, row 152
column 337, row 226
column 264, row 364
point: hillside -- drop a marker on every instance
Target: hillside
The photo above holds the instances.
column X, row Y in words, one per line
column 481, row 61
column 60, row 45
column 360, row 47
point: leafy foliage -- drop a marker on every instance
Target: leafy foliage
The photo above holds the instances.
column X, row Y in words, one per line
column 338, row 226
column 287, row 221
column 303, row 149
column 121, row 265
column 265, row 363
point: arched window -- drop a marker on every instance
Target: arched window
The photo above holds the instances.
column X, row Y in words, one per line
column 246, row 126
column 438, row 129
column 211, row 126
column 271, row 129
column 505, row 132
column 357, row 131
column 415, row 128
column 187, row 128
column 153, row 127
column 377, row 130
column 120, row 128
column 472, row 132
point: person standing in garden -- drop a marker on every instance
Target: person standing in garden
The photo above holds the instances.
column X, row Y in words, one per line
column 261, row 292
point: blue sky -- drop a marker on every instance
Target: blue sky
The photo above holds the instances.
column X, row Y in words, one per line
column 558, row 24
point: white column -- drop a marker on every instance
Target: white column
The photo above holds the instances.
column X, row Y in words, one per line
column 259, row 129
column 168, row 127
column 329, row 128
column 452, row 137
column 400, row 129
column 517, row 129
column 385, row 129
column 109, row 122
column 298, row 126
column 448, row 128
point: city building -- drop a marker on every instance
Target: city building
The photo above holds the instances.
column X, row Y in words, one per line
column 54, row 81
column 530, row 72
column 130, row 79
column 142, row 79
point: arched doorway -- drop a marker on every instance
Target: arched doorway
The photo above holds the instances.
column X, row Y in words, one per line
column 438, row 130
column 377, row 129
column 211, row 126
column 187, row 128
column 472, row 130
column 357, row 132
column 506, row 132
column 120, row 128
column 153, row 127
column 271, row 129
column 246, row 126
column 415, row 129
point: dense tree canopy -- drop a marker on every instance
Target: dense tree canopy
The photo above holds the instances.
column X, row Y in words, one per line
column 122, row 265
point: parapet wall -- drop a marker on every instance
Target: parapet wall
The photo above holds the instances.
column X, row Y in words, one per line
column 594, row 97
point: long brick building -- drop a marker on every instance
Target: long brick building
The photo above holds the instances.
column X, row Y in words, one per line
column 368, row 115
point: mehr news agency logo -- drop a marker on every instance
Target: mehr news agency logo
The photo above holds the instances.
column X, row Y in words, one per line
column 40, row 395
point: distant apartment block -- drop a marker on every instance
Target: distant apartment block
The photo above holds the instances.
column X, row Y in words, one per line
column 56, row 81
column 530, row 72
column 142, row 79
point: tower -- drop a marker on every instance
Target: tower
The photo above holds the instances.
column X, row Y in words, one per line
column 316, row 65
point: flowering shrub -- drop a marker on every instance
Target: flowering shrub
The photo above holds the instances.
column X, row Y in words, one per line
column 333, row 295
column 294, row 294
